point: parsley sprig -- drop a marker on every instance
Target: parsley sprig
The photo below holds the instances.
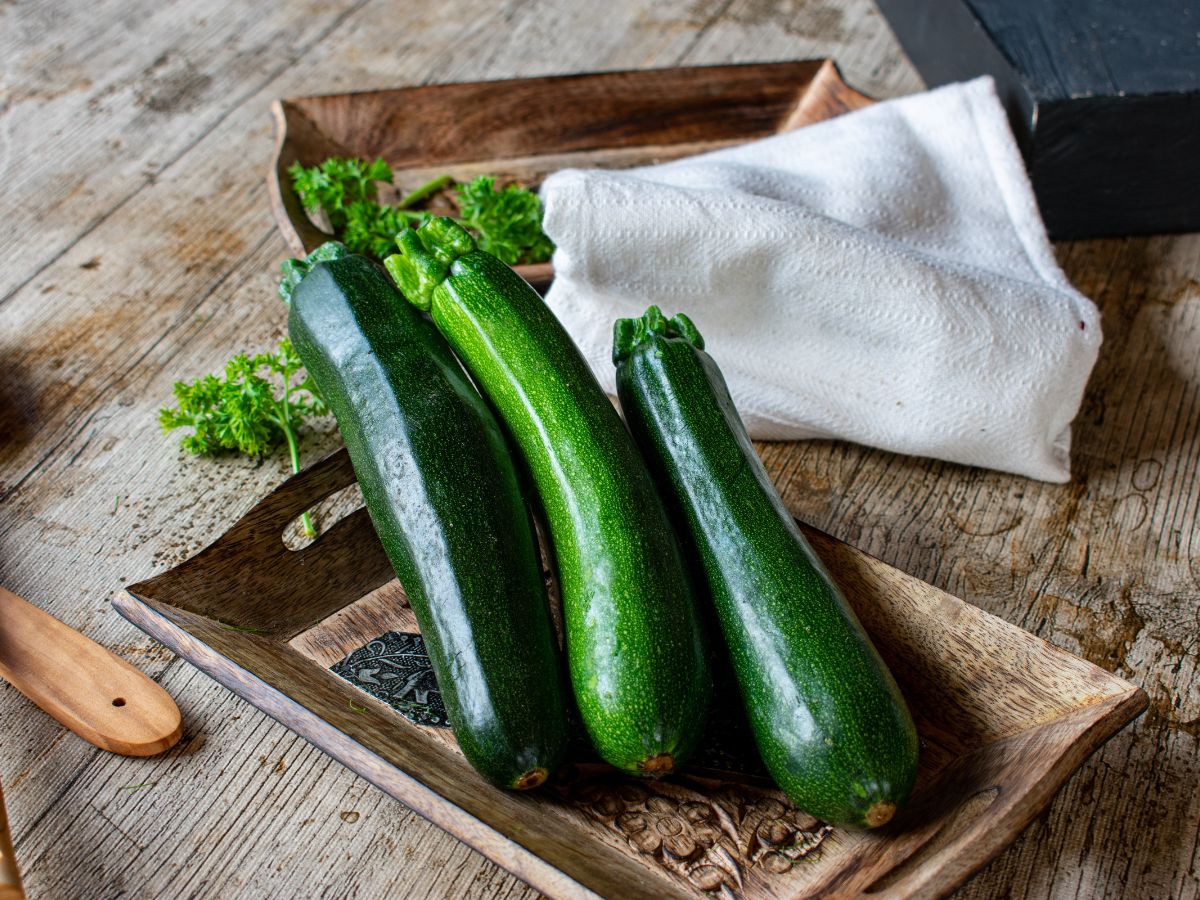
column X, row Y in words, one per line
column 371, row 228
column 257, row 403
column 338, row 184
column 506, row 222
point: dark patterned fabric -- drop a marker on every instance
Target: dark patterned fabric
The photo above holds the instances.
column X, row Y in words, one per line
column 395, row 668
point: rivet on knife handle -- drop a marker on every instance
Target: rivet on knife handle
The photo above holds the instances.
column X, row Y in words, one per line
column 86, row 687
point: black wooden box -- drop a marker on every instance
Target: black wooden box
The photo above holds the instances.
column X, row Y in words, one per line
column 1104, row 98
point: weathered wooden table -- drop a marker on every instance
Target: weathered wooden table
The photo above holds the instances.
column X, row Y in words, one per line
column 139, row 249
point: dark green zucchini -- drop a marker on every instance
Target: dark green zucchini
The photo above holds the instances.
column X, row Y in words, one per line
column 827, row 715
column 634, row 647
column 442, row 492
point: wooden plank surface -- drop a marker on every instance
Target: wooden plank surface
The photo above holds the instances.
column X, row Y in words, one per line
column 140, row 249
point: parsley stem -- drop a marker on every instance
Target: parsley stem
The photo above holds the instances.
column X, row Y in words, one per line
column 285, row 422
column 294, row 452
column 428, row 189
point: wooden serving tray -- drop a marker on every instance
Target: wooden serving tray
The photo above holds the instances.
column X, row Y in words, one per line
column 1004, row 719
column 522, row 130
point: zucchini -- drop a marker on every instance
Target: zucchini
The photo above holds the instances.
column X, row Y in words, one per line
column 827, row 716
column 634, row 647
column 442, row 492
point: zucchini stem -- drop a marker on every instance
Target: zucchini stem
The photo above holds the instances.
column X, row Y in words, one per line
column 294, row 270
column 425, row 257
column 631, row 333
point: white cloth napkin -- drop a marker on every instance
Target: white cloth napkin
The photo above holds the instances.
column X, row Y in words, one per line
column 883, row 277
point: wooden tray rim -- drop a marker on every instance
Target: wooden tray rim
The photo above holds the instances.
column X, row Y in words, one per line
column 1096, row 724
column 291, row 218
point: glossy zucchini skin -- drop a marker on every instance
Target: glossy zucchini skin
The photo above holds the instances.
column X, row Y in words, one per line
column 827, row 716
column 634, row 646
column 442, row 492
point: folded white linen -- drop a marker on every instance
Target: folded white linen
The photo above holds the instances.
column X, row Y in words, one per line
column 883, row 277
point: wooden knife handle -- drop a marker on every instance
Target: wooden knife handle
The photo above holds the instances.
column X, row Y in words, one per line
column 86, row 687
column 10, row 878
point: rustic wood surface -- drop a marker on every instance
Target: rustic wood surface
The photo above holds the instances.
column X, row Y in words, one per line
column 140, row 249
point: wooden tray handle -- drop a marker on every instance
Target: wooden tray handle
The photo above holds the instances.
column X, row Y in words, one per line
column 251, row 560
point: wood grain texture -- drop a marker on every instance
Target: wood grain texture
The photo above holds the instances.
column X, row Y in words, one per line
column 167, row 276
column 1001, row 715
column 86, row 687
column 123, row 90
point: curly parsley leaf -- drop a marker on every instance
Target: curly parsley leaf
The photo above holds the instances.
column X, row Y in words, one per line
column 371, row 228
column 257, row 403
column 507, row 223
column 337, row 184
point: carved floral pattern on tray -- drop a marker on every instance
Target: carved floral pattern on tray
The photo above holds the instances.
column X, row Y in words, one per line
column 709, row 837
column 395, row 668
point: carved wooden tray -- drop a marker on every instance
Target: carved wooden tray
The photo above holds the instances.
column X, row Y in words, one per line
column 1004, row 719
column 524, row 129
